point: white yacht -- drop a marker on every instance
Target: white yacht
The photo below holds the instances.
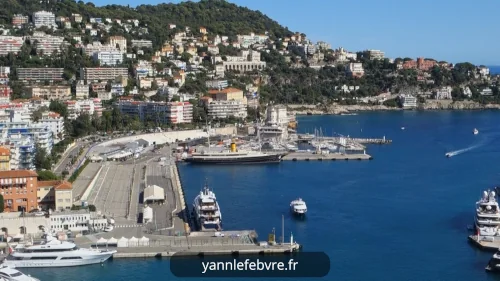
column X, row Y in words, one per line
column 12, row 274
column 298, row 207
column 487, row 217
column 207, row 211
column 54, row 253
column 476, row 131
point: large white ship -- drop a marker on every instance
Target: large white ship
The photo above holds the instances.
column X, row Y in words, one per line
column 54, row 253
column 207, row 211
column 487, row 217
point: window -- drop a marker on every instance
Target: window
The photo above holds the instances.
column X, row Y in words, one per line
column 71, row 258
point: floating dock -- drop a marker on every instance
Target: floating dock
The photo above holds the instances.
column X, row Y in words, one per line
column 309, row 156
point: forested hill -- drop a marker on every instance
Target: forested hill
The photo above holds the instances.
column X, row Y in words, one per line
column 217, row 16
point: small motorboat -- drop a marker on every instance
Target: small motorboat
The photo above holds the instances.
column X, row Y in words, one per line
column 449, row 154
column 402, row 128
column 475, row 132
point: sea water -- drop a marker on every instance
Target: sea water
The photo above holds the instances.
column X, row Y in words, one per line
column 401, row 216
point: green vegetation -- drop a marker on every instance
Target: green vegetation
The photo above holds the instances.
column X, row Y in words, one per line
column 76, row 173
column 91, row 208
column 42, row 159
column 47, row 175
column 1, row 203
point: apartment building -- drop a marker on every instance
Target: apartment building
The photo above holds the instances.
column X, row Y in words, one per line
column 96, row 46
column 142, row 43
column 55, row 195
column 89, row 106
column 18, row 188
column 40, row 74
column 408, row 101
column 19, row 20
column 4, row 158
column 247, row 40
column 76, row 17
column 216, row 84
column 51, row 92
column 420, row 63
column 55, row 122
column 4, row 75
column 46, row 44
column 102, row 73
column 226, row 108
column 375, row 54
column 247, row 60
column 171, row 112
column 144, row 69
column 82, row 90
column 44, row 18
column 324, row 45
column 26, row 135
column 228, row 94
column 118, row 42
column 5, row 93
column 108, row 58
column 355, row 69
column 10, row 44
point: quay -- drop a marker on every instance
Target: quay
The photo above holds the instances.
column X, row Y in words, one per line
column 309, row 156
column 115, row 188
column 487, row 245
column 348, row 139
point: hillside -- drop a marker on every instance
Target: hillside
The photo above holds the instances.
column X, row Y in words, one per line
column 217, row 16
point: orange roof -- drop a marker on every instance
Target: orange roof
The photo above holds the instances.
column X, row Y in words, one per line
column 64, row 185
column 57, row 184
column 224, row 91
column 47, row 183
column 4, row 151
column 17, row 174
column 205, row 98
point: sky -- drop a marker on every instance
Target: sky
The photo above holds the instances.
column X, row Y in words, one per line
column 450, row 30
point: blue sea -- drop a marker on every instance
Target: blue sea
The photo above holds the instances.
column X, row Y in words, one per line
column 401, row 216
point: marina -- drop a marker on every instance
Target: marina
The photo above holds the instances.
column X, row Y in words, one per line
column 310, row 156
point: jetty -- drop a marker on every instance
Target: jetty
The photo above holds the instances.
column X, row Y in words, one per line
column 349, row 140
column 310, row 156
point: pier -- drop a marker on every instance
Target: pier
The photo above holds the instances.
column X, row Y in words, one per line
column 349, row 140
column 309, row 156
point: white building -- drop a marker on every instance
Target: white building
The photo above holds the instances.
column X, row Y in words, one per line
column 77, row 221
column 44, row 18
column 142, row 43
column 247, row 40
column 216, row 84
column 408, row 101
column 227, row 108
column 109, row 58
column 355, row 69
column 82, row 90
column 375, row 54
column 56, row 124
column 467, row 92
column 443, row 93
column 484, row 71
column 118, row 42
column 276, row 115
column 104, row 95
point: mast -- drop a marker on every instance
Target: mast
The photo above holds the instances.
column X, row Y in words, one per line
column 208, row 132
column 282, row 229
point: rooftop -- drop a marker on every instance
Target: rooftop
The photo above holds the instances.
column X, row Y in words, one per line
column 18, row 174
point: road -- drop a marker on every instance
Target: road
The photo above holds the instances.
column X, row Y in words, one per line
column 112, row 190
column 65, row 159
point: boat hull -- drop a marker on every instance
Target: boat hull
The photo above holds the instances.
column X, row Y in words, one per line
column 58, row 262
column 274, row 158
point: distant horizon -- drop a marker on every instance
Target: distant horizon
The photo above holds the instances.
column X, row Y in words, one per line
column 402, row 36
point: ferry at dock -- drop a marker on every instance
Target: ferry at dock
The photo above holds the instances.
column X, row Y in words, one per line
column 206, row 210
column 487, row 219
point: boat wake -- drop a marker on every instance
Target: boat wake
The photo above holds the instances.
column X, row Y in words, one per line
column 460, row 151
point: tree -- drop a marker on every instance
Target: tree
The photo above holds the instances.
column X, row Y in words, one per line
column 46, row 175
column 185, row 57
column 1, row 203
column 59, row 107
column 42, row 160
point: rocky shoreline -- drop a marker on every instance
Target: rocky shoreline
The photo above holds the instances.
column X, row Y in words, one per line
column 337, row 109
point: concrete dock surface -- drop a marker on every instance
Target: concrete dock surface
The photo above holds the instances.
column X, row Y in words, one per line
column 309, row 156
